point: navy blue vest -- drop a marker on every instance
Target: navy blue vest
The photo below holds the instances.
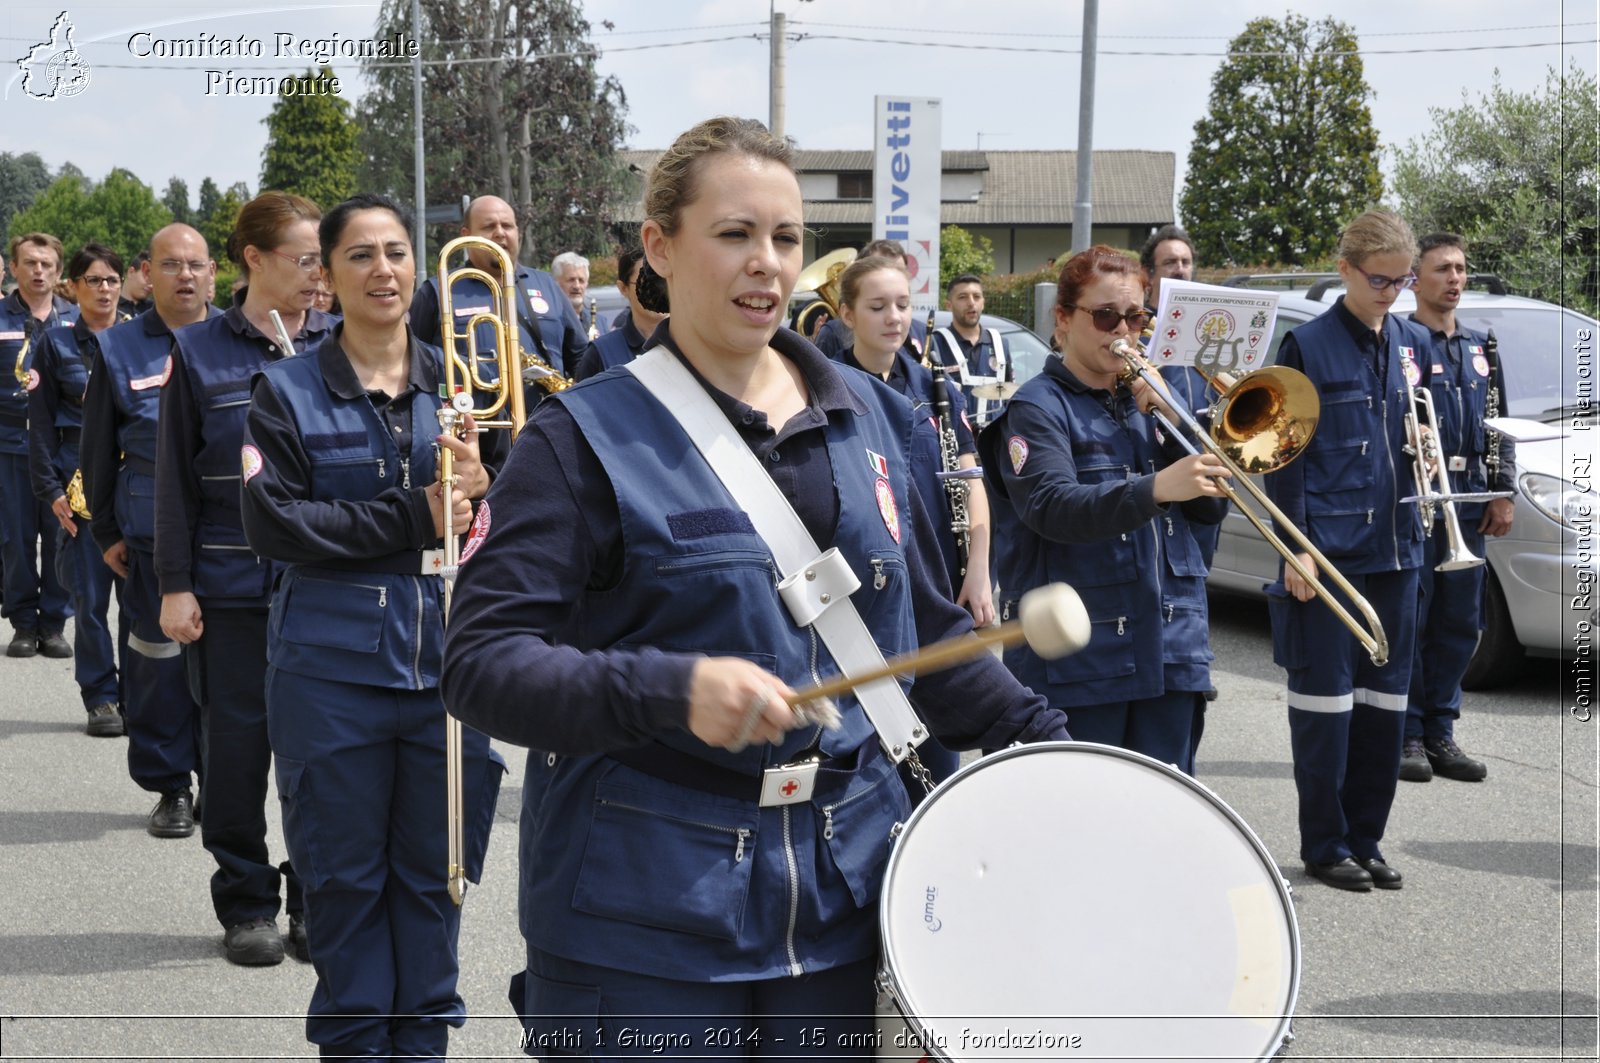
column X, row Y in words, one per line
column 336, row 621
column 220, row 362
column 697, row 578
column 17, row 323
column 1355, row 467
column 613, row 348
column 1144, row 589
column 137, row 357
column 1460, row 391
column 69, row 352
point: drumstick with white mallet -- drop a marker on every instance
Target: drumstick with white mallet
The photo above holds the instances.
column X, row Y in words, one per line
column 1050, row 619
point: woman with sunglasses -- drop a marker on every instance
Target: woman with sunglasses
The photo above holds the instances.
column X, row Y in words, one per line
column 1087, row 494
column 1347, row 715
column 214, row 590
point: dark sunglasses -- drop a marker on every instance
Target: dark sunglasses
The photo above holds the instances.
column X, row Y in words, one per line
column 1105, row 318
column 1378, row 282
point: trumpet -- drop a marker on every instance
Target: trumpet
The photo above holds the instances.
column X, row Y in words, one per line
column 463, row 380
column 1434, row 497
column 1261, row 422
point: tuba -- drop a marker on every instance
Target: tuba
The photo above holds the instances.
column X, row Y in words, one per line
column 1261, row 422
column 464, row 380
column 822, row 277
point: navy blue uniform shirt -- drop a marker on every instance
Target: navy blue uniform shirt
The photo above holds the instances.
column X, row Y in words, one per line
column 559, row 500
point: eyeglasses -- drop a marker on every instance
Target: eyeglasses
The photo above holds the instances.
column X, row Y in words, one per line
column 1378, row 282
column 101, row 282
column 172, row 267
column 1105, row 318
column 309, row 262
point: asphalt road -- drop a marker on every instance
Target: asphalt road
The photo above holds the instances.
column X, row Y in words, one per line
column 108, row 948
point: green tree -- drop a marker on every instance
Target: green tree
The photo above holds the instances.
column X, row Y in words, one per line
column 1515, row 174
column 960, row 252
column 311, row 143
column 121, row 212
column 22, row 178
column 217, row 225
column 512, row 106
column 176, row 200
column 1288, row 152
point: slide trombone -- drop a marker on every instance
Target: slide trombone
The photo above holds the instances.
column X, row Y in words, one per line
column 1261, row 422
column 463, row 382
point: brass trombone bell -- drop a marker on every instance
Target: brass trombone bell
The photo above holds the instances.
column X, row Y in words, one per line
column 1266, row 418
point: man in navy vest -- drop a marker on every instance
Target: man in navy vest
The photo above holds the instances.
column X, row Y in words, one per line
column 35, row 601
column 974, row 355
column 546, row 324
column 1449, row 615
column 119, row 470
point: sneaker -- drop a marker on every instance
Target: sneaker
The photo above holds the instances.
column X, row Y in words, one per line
column 173, row 816
column 297, row 937
column 256, row 943
column 104, row 721
column 23, row 644
column 1414, row 766
column 1448, row 761
column 55, row 645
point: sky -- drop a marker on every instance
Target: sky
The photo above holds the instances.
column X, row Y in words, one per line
column 1007, row 71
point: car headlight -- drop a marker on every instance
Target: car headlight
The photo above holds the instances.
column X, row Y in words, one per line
column 1561, row 500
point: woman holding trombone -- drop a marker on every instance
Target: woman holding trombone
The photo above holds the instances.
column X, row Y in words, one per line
column 1087, row 494
column 340, row 486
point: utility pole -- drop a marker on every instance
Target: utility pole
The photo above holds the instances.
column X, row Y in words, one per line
column 420, row 172
column 776, row 78
column 1083, row 205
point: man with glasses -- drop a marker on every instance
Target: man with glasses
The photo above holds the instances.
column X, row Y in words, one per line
column 1346, row 712
column 973, row 354
column 119, row 470
column 56, row 382
column 546, row 324
column 35, row 601
column 1449, row 618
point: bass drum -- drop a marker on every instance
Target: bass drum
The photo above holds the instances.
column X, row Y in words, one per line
column 1068, row 900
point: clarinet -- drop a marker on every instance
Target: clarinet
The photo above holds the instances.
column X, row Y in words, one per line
column 950, row 462
column 1491, row 409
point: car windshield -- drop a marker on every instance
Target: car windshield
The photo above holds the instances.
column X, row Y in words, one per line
column 1028, row 352
column 1540, row 350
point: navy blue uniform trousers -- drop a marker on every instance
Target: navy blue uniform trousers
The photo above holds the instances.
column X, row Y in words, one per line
column 1346, row 715
column 227, row 669
column 1161, row 727
column 35, row 600
column 361, row 778
column 82, row 569
column 1449, row 618
column 162, row 718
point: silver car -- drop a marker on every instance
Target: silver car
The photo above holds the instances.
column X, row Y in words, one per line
column 1542, row 573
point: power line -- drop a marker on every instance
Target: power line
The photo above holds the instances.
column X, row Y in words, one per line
column 1147, row 53
column 1172, row 37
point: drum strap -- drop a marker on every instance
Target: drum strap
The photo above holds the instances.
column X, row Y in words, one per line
column 838, row 624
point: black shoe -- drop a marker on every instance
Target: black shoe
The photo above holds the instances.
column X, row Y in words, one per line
column 54, row 645
column 1344, row 875
column 1414, row 766
column 256, row 943
column 1448, row 761
column 1383, row 876
column 104, row 721
column 297, row 937
column 23, row 644
column 173, row 816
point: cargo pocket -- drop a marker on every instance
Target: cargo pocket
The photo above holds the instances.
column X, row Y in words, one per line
column 482, row 814
column 1288, row 629
column 300, row 820
column 558, row 1018
column 663, row 856
column 336, row 614
column 857, row 825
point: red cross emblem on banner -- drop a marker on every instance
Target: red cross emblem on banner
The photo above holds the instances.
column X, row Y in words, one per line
column 789, row 788
column 1172, row 333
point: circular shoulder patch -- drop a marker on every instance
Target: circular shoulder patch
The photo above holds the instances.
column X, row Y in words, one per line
column 1481, row 364
column 480, row 532
column 33, row 379
column 250, row 463
column 887, row 508
column 1017, row 447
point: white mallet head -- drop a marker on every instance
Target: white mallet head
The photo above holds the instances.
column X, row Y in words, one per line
column 1054, row 621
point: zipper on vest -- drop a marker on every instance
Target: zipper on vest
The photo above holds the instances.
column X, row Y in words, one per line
column 416, row 659
column 1122, row 624
column 405, row 473
column 794, row 893
column 383, row 597
column 879, row 580
column 740, row 834
column 380, row 468
column 827, row 810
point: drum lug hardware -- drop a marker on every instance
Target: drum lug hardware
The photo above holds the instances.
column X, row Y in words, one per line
column 896, row 830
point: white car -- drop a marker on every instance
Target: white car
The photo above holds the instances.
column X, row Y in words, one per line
column 1542, row 574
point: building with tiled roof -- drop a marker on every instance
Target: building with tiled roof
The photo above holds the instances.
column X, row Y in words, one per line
column 1021, row 200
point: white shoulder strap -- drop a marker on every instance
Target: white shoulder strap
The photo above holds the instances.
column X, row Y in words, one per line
column 957, row 362
column 838, row 624
column 999, row 353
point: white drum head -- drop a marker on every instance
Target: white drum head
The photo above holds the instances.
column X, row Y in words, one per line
column 1073, row 901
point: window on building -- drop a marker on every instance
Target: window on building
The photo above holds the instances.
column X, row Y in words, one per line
column 856, row 184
